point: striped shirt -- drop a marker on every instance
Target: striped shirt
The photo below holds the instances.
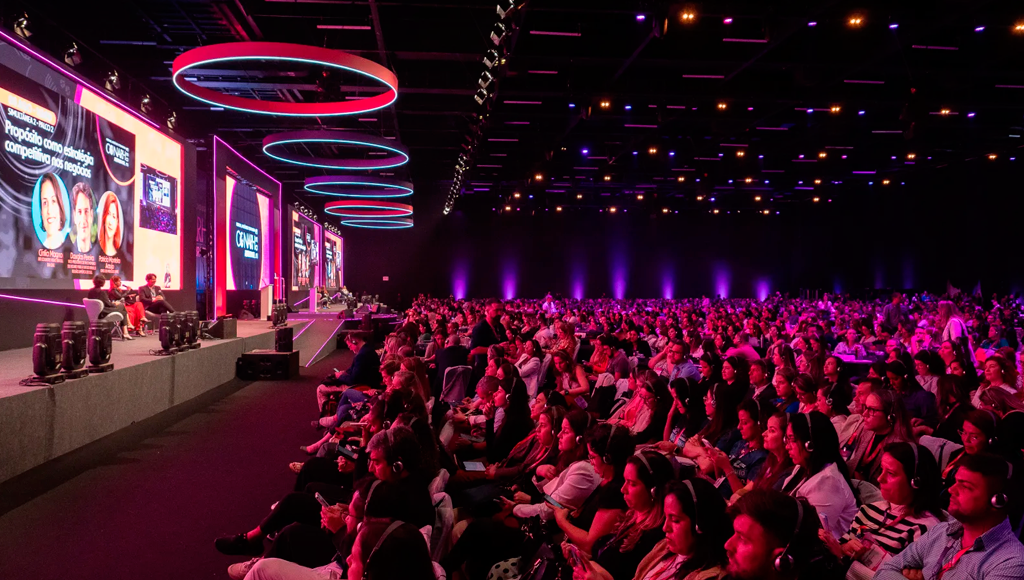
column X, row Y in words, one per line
column 996, row 555
column 881, row 524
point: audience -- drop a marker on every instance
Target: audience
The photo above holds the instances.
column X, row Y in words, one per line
column 825, row 444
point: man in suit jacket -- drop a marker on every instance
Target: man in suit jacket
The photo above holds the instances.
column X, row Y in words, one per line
column 152, row 297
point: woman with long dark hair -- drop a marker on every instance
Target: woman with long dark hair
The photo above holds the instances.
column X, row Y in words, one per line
column 885, row 422
column 687, row 415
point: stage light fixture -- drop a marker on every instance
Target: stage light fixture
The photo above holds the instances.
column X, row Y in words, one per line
column 538, row 177
column 99, row 346
column 72, row 57
column 1019, row 27
column 485, row 80
column 146, row 105
column 817, row 182
column 508, row 208
column 73, row 351
column 822, row 155
column 652, row 150
column 722, row 106
column 491, row 58
column 680, row 179
column 664, row 210
column 558, row 208
column 607, row 177
column 687, row 16
column 740, row 153
column 167, row 330
column 885, row 182
column 112, row 82
column 499, row 32
column 612, row 209
column 481, row 96
column 605, row 104
column 21, row 26
column 516, row 195
column 749, row 180
column 757, row 198
column 765, row 212
column 944, row 112
column 700, row 198
column 193, row 320
column 855, row 21
column 506, row 7
column 835, row 109
column 992, row 157
column 816, row 199
column 46, row 353
column 640, row 197
column 579, row 196
column 172, row 121
column 714, row 211
column 911, row 155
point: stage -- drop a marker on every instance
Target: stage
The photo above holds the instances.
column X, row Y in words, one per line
column 40, row 423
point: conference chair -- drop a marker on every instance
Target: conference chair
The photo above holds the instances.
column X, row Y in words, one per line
column 93, row 308
column 455, row 382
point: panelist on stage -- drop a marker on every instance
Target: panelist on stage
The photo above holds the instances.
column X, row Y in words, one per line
column 98, row 293
column 152, row 296
column 130, row 299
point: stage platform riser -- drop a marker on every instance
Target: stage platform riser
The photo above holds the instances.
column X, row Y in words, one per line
column 42, row 424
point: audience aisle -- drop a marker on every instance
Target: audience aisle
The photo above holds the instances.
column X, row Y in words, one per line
column 153, row 508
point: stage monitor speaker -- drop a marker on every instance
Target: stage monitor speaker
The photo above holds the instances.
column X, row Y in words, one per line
column 224, row 328
column 283, row 339
column 267, row 365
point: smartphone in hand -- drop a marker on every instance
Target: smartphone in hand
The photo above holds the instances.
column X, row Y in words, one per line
column 322, row 501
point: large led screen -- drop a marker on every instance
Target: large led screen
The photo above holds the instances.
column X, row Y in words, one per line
column 86, row 188
column 250, row 239
column 306, row 240
column 334, row 253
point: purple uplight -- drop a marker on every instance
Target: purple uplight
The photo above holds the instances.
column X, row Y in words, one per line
column 640, row 17
column 908, row 272
column 763, row 289
column 837, row 286
column 668, row 284
column 585, row 151
column 727, row 21
column 620, row 274
column 41, row 301
column 722, row 279
column 812, row 23
column 459, row 281
column 969, row 115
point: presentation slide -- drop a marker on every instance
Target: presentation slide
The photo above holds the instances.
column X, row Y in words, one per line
column 250, row 261
column 334, row 253
column 85, row 187
column 306, row 240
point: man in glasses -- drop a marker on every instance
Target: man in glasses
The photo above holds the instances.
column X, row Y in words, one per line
column 678, row 363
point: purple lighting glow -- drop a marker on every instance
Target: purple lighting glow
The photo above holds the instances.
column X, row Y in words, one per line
column 722, row 279
column 508, row 282
column 640, row 17
column 668, row 284
column 762, row 289
column 459, row 281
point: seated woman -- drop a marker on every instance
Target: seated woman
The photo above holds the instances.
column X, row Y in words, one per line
column 777, row 465
column 820, row 476
column 833, row 401
column 885, row 422
column 694, row 544
column 515, row 425
column 721, row 432
column 806, row 390
column 609, row 447
column 743, row 462
column 98, row 293
column 998, row 374
column 570, row 379
column 919, row 403
column 569, row 483
column 686, row 417
column 637, row 413
column 954, row 402
column 620, row 552
column 529, row 365
column 129, row 298
column 787, row 401
column 910, row 486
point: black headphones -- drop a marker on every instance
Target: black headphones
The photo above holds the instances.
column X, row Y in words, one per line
column 396, row 465
column 696, row 513
column 394, row 526
column 606, row 457
column 809, row 444
column 828, row 397
column 785, row 562
column 1000, row 500
column 579, row 438
column 995, row 422
column 915, row 480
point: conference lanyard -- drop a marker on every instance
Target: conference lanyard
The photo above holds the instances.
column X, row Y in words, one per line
column 956, row 559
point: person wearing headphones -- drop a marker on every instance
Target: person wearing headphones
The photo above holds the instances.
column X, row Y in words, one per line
column 820, row 476
column 620, row 552
column 979, row 544
column 885, row 422
column 693, row 548
column 910, row 488
column 979, row 433
column 775, row 537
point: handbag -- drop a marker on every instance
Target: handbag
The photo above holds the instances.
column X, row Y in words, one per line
column 546, row 564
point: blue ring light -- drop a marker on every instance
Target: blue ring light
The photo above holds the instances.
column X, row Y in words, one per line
column 378, row 223
column 358, row 186
column 271, row 144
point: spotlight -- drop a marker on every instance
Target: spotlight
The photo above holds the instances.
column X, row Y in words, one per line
column 687, row 16
column 579, row 196
column 652, row 150
column 816, row 199
column 99, row 346
column 757, row 198
column 885, row 182
column 749, row 180
column 112, row 82
column 190, row 329
column 700, row 198
column 46, row 354
column 605, row 104
column 680, row 179
column 607, row 177
column 822, row 155
column 481, row 96
column 172, row 121
column 991, row 156
column 855, row 21
column 740, row 153
column 558, row 208
column 612, row 209
column 721, row 106
column 146, row 105
column 944, row 112
column 765, row 212
column 505, row 7
column 73, row 353
column 538, row 177
column 508, row 208
column 491, row 58
column 911, row 155
column 835, row 109
column 485, row 80
column 498, row 33
column 516, row 195
column 1019, row 27
column 640, row 197
column 21, row 26
column 168, row 334
column 714, row 211
column 72, row 57
column 817, row 182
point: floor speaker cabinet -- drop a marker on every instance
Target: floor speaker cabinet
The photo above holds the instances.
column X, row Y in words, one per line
column 351, row 324
column 224, row 328
column 267, row 365
column 283, row 339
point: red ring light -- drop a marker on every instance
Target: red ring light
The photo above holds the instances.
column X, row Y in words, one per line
column 279, row 51
column 368, row 209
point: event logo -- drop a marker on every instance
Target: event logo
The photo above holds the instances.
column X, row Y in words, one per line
column 246, row 231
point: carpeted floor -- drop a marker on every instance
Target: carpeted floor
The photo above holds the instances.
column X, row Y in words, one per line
column 147, row 503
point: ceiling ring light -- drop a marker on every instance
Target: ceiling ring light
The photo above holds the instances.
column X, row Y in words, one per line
column 273, row 145
column 218, row 54
column 378, row 223
column 358, row 186
column 367, row 209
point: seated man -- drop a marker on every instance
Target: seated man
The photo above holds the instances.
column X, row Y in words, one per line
column 152, row 296
column 364, row 371
column 980, row 543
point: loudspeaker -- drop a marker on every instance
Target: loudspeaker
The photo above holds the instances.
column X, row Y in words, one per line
column 267, row 365
column 283, row 339
column 224, row 328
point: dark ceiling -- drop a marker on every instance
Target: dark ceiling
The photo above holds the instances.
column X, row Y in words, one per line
column 601, row 103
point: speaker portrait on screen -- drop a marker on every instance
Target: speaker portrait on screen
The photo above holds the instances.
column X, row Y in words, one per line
column 50, row 210
column 111, row 224
column 83, row 232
